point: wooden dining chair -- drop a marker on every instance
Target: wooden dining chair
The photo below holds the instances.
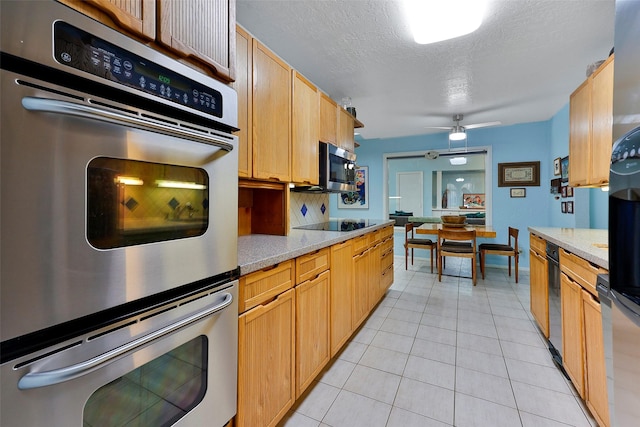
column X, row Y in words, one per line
column 509, row 250
column 410, row 242
column 449, row 244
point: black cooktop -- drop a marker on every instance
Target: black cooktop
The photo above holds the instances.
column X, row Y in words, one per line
column 339, row 225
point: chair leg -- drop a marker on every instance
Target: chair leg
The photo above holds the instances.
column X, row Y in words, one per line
column 411, row 256
column 482, row 259
column 509, row 266
column 406, row 258
column 439, row 267
column 473, row 270
column 431, row 251
column 515, row 259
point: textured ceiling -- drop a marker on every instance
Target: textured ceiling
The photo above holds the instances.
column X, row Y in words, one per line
column 520, row 66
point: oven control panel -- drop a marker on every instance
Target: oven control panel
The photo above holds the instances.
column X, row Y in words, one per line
column 81, row 50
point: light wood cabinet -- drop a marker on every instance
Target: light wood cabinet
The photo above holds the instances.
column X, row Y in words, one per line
column 341, row 285
column 375, row 275
column 312, row 329
column 137, row 17
column 201, row 32
column 328, row 120
column 271, row 115
column 596, row 375
column 263, row 285
column 361, row 279
column 345, row 130
column 386, row 261
column 243, row 85
column 572, row 332
column 305, row 131
column 590, row 128
column 539, row 283
column 266, row 357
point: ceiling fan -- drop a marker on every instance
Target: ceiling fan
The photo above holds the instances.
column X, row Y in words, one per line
column 457, row 132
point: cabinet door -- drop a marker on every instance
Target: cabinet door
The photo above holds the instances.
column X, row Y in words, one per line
column 203, row 30
column 312, row 330
column 539, row 289
column 361, row 277
column 242, row 85
column 328, row 120
column 135, row 16
column 601, row 123
column 345, row 130
column 305, row 129
column 572, row 333
column 340, row 298
column 580, row 135
column 266, row 359
column 271, row 115
column 375, row 275
column 596, row 384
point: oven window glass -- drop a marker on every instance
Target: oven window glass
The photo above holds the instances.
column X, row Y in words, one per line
column 156, row 394
column 130, row 202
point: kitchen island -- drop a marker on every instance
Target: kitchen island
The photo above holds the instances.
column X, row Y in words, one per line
column 589, row 244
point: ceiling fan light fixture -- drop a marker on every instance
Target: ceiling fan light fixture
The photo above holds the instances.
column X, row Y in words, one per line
column 433, row 20
column 457, row 133
column 458, row 161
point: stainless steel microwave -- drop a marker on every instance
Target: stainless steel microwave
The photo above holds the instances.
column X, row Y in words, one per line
column 337, row 171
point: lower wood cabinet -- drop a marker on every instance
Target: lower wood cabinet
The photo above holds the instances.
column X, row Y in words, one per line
column 596, row 375
column 360, row 302
column 572, row 332
column 539, row 290
column 266, row 357
column 341, row 294
column 374, row 291
column 312, row 329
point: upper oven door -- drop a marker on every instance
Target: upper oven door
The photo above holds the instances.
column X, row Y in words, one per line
column 102, row 205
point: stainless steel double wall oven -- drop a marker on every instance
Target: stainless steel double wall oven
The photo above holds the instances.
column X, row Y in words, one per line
column 118, row 229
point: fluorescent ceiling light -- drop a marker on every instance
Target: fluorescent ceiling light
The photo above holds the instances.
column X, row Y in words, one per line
column 180, row 184
column 457, row 161
column 436, row 20
column 460, row 179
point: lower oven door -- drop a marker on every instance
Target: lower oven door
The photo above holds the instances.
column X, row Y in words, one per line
column 173, row 365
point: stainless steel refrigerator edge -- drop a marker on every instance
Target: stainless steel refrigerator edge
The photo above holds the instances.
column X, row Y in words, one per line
column 621, row 301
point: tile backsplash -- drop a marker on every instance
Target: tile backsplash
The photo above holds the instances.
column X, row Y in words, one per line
column 308, row 208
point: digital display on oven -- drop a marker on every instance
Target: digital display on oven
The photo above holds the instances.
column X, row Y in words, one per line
column 78, row 49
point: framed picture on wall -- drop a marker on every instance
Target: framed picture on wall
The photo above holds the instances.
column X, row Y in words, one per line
column 556, row 166
column 569, row 191
column 357, row 199
column 564, row 169
column 518, row 192
column 563, row 207
column 519, row 174
column 570, row 207
column 564, row 191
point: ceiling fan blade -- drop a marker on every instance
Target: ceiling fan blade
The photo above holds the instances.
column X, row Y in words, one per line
column 481, row 125
column 438, row 127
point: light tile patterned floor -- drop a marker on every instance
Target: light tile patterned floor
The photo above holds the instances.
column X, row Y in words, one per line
column 444, row 354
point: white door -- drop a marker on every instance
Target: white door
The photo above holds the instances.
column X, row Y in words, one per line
column 410, row 190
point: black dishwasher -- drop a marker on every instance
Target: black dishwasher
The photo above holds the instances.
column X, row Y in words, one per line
column 555, row 319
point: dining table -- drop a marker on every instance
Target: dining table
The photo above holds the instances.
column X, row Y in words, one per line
column 486, row 231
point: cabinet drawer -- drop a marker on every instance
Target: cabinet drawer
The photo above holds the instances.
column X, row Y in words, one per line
column 387, row 277
column 387, row 232
column 580, row 270
column 360, row 243
column 310, row 265
column 538, row 244
column 261, row 286
column 386, row 261
column 387, row 245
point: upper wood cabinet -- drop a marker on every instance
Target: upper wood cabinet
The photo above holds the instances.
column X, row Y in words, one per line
column 305, row 118
column 328, row 119
column 271, row 115
column 202, row 32
column 345, row 130
column 243, row 85
column 590, row 128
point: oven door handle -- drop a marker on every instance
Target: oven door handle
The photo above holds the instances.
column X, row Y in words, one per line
column 89, row 112
column 56, row 376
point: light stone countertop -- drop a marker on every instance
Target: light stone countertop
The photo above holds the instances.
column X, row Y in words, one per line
column 590, row 244
column 257, row 251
